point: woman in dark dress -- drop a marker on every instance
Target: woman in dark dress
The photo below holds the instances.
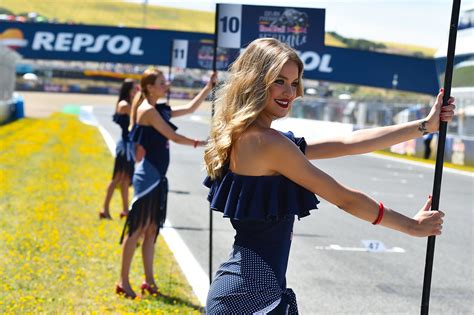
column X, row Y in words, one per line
column 152, row 130
column 123, row 166
column 261, row 179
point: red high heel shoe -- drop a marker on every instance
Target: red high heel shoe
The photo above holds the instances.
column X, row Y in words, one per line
column 103, row 215
column 121, row 291
column 123, row 214
column 152, row 289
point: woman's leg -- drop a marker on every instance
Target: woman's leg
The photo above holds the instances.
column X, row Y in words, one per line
column 124, row 184
column 105, row 213
column 148, row 252
column 128, row 249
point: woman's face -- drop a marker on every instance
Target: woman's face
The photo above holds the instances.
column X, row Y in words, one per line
column 282, row 91
column 159, row 88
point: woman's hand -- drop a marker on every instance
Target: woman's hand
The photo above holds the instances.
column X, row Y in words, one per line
column 427, row 222
column 199, row 143
column 202, row 143
column 139, row 153
column 212, row 81
column 440, row 113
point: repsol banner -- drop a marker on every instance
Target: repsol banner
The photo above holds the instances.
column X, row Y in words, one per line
column 330, row 64
column 200, row 55
column 441, row 61
column 300, row 28
column 375, row 69
column 91, row 43
column 143, row 46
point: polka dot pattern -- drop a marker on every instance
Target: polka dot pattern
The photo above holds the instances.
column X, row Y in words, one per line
column 246, row 284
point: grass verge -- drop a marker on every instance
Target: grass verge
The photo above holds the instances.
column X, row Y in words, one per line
column 116, row 13
column 55, row 254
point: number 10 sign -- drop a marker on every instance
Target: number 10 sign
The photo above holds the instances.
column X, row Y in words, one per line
column 238, row 25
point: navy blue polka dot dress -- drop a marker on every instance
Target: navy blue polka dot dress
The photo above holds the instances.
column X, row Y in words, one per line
column 150, row 184
column 262, row 211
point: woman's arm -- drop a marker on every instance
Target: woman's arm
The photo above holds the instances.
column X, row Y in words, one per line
column 368, row 140
column 139, row 152
column 297, row 168
column 196, row 101
column 153, row 118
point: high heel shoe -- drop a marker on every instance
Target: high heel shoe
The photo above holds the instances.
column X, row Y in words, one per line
column 152, row 289
column 121, row 291
column 123, row 214
column 103, row 215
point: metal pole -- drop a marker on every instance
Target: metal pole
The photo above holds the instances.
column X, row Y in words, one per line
column 440, row 154
column 214, row 68
column 169, row 72
column 214, row 59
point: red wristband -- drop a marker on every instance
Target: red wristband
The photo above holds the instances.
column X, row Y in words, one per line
column 380, row 216
column 195, row 143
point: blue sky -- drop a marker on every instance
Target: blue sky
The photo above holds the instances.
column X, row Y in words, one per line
column 419, row 22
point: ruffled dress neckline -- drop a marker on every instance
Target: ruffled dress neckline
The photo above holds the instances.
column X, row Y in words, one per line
column 260, row 198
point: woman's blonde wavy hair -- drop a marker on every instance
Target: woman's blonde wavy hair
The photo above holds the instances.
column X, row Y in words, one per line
column 242, row 97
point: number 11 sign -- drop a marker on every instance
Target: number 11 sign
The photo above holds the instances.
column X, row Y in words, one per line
column 300, row 28
column 200, row 55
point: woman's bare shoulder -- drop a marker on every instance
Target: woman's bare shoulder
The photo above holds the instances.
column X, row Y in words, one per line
column 123, row 107
column 145, row 108
column 251, row 151
column 265, row 143
column 145, row 112
column 262, row 137
column 123, row 103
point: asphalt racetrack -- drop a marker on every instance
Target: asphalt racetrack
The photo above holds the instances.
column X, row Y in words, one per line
column 338, row 264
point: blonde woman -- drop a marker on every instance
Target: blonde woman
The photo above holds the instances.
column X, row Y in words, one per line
column 261, row 178
column 151, row 131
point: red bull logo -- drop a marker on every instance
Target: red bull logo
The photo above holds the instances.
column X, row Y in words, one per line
column 290, row 26
column 13, row 38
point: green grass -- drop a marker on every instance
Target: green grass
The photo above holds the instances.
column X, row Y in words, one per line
column 420, row 50
column 56, row 256
column 115, row 13
column 463, row 77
